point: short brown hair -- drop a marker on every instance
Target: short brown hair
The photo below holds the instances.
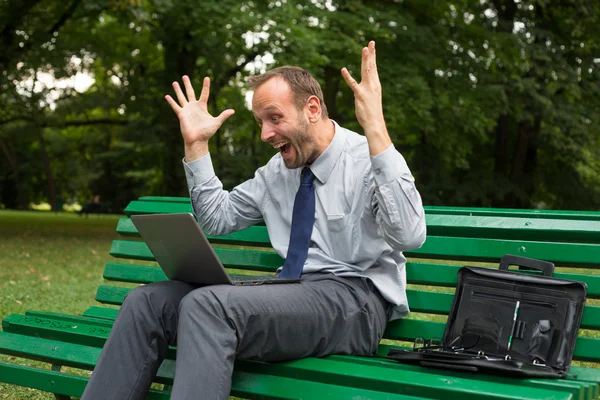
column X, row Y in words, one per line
column 302, row 83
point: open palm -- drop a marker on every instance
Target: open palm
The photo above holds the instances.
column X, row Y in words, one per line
column 195, row 121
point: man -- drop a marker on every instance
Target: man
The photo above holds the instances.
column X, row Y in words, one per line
column 339, row 206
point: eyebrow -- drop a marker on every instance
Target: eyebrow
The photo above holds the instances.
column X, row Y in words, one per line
column 268, row 109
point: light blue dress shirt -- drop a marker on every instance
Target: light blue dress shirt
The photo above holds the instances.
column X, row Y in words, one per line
column 368, row 211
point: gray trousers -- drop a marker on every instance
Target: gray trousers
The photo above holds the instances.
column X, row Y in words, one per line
column 213, row 325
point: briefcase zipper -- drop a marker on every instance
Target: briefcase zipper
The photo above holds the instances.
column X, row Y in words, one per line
column 492, row 296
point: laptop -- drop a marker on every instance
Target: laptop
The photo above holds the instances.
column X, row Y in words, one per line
column 184, row 253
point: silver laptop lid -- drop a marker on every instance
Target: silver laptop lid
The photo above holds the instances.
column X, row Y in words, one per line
column 181, row 248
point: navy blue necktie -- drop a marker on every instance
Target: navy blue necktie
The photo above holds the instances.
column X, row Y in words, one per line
column 303, row 221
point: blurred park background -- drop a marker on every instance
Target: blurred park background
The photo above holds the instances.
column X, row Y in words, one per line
column 492, row 102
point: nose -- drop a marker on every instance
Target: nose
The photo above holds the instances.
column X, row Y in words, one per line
column 266, row 133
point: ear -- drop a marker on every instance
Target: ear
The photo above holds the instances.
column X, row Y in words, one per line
column 313, row 109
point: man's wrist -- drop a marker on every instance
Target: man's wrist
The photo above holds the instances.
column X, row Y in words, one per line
column 195, row 150
column 377, row 137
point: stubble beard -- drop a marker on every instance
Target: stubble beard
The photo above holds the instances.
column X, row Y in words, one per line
column 303, row 143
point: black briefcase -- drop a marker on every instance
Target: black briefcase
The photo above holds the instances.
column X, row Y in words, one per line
column 507, row 323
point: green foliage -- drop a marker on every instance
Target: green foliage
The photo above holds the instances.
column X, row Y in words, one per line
column 493, row 103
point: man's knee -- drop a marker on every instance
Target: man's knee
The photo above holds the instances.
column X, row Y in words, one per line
column 210, row 301
column 156, row 297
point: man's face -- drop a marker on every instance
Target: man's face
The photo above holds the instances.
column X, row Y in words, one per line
column 282, row 125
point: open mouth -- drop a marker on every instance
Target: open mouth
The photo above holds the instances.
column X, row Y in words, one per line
column 283, row 147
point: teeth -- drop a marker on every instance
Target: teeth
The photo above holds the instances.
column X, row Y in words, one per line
column 279, row 145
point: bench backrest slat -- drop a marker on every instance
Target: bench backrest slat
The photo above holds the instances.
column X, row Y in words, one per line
column 416, row 273
column 489, row 212
column 491, row 250
column 422, row 273
column 536, row 229
column 442, row 247
column 253, row 260
column 419, row 300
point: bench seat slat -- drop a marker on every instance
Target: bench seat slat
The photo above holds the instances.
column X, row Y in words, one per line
column 54, row 381
column 417, row 383
column 101, row 313
column 68, row 318
column 586, row 349
column 82, row 332
column 386, row 381
column 592, row 384
column 49, row 330
column 579, row 388
column 245, row 383
column 133, row 273
column 585, row 374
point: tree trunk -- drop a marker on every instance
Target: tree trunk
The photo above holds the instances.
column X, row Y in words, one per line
column 524, row 164
column 179, row 60
column 216, row 156
column 21, row 199
column 48, row 171
column 330, row 90
column 501, row 154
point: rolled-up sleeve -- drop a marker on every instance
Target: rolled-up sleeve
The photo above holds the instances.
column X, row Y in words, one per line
column 396, row 202
column 220, row 212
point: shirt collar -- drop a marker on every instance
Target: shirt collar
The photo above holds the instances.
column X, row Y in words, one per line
column 323, row 165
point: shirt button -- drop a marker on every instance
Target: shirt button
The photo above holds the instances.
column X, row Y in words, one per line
column 378, row 171
column 305, row 262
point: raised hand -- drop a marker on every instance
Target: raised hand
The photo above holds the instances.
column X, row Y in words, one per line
column 196, row 123
column 368, row 102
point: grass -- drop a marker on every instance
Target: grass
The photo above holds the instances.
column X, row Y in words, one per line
column 54, row 262
column 50, row 262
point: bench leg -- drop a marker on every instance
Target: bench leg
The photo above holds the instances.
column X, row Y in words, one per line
column 58, row 396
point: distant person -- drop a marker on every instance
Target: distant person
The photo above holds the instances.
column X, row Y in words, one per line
column 341, row 207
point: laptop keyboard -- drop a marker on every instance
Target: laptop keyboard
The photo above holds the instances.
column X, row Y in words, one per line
column 244, row 278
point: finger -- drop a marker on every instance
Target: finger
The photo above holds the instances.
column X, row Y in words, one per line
column 205, row 90
column 225, row 114
column 364, row 66
column 373, row 59
column 179, row 93
column 349, row 79
column 173, row 104
column 189, row 90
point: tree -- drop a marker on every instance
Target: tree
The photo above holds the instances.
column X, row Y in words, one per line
column 493, row 103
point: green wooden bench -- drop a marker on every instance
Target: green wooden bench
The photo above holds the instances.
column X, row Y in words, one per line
column 456, row 236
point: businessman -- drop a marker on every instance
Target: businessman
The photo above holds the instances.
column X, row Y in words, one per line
column 340, row 207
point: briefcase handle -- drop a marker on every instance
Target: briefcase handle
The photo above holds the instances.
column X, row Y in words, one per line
column 526, row 263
